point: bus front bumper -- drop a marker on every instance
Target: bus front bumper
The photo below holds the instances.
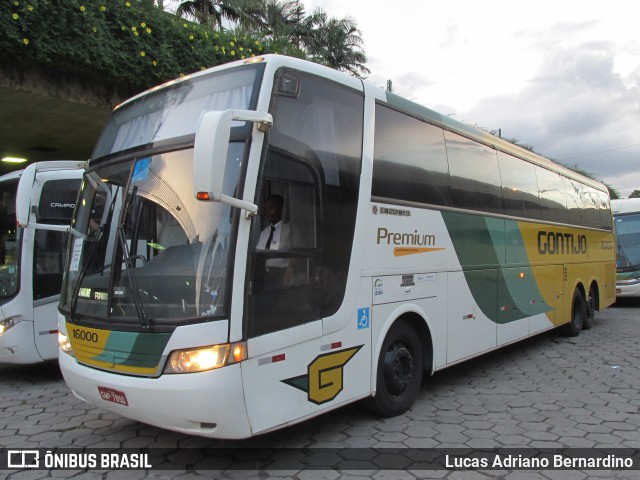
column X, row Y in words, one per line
column 209, row 404
column 628, row 288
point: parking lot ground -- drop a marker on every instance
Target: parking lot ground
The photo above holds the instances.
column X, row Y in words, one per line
column 546, row 394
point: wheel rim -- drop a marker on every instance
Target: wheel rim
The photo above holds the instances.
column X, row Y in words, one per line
column 591, row 306
column 398, row 368
column 577, row 312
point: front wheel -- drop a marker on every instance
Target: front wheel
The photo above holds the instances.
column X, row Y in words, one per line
column 399, row 372
column 578, row 315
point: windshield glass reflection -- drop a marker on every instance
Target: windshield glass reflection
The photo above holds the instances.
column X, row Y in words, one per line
column 144, row 249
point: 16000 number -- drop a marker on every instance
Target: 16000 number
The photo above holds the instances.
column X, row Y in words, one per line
column 86, row 336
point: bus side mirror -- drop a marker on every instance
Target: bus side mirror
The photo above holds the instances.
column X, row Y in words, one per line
column 210, row 153
column 23, row 195
column 27, row 200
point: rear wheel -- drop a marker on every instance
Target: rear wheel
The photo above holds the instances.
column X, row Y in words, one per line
column 578, row 315
column 399, row 371
column 591, row 310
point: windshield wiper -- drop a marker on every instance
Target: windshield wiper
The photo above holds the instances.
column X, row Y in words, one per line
column 622, row 254
column 137, row 301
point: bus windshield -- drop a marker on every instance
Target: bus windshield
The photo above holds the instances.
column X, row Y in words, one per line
column 9, row 243
column 628, row 237
column 143, row 248
column 174, row 111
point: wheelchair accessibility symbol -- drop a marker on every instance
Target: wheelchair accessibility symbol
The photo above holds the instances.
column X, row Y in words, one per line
column 363, row 318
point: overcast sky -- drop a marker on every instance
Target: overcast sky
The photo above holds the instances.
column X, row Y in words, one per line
column 560, row 75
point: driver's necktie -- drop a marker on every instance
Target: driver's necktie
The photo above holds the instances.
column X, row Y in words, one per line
column 270, row 239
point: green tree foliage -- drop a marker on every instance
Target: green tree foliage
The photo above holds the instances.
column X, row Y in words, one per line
column 122, row 43
column 635, row 194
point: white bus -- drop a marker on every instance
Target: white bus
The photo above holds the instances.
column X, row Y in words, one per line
column 32, row 260
column 626, row 215
column 407, row 242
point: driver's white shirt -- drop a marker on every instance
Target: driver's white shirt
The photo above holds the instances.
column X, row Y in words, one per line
column 280, row 240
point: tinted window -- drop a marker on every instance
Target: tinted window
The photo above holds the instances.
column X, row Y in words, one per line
column 604, row 211
column 48, row 263
column 475, row 178
column 410, row 160
column 8, row 205
column 575, row 194
column 553, row 207
column 10, row 240
column 591, row 201
column 627, row 228
column 57, row 200
column 313, row 162
column 519, row 187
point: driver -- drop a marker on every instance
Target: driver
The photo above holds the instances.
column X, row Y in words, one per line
column 276, row 235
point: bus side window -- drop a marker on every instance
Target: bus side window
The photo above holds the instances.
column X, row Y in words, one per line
column 314, row 153
column 519, row 187
column 55, row 206
column 285, row 288
column 553, row 203
column 410, row 160
column 289, row 200
column 475, row 177
column 48, row 263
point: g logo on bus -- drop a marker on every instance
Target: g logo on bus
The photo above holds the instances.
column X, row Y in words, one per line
column 324, row 379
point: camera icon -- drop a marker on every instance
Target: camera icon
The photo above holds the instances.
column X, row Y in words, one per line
column 23, row 459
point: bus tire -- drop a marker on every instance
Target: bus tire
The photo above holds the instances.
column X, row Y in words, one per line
column 591, row 310
column 399, row 371
column 578, row 315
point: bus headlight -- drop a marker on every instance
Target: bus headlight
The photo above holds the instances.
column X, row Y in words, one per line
column 205, row 358
column 7, row 323
column 64, row 343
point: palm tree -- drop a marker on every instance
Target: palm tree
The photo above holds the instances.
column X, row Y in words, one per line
column 153, row 3
column 215, row 12
column 283, row 21
column 336, row 43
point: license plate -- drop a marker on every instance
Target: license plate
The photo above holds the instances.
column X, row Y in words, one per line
column 115, row 396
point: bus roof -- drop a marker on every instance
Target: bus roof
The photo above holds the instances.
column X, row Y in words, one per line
column 625, row 205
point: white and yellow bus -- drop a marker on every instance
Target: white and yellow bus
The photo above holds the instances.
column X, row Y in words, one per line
column 626, row 216
column 32, row 259
column 413, row 242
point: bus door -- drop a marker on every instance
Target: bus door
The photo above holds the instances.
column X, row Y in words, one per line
column 311, row 166
column 54, row 206
column 285, row 291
